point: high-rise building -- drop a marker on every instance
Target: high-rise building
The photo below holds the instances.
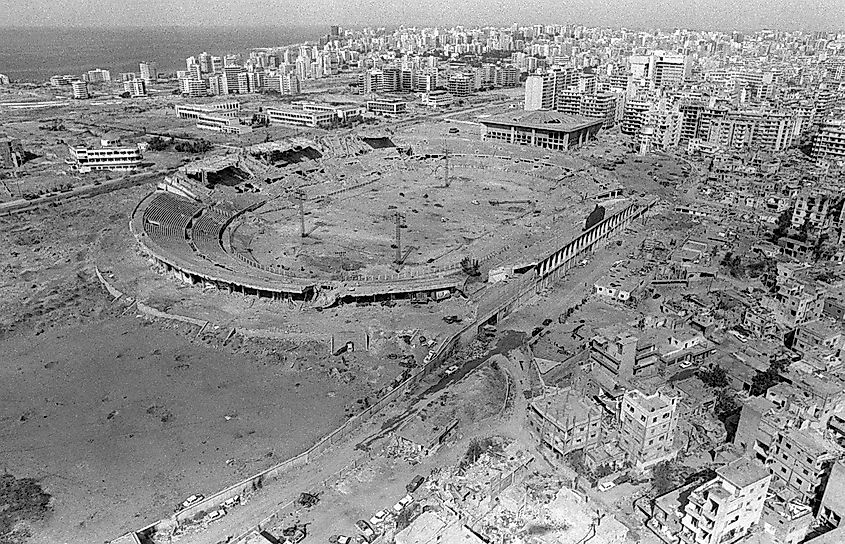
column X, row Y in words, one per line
column 460, row 85
column 205, row 63
column 647, row 426
column 96, row 76
column 149, row 71
column 136, row 88
column 829, row 142
column 194, row 88
column 195, row 71
column 539, row 92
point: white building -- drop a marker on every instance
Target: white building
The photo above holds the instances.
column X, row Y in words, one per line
column 725, row 509
column 136, row 87
column 149, row 71
column 85, row 159
column 81, row 90
column 194, row 88
column 290, row 116
column 97, row 76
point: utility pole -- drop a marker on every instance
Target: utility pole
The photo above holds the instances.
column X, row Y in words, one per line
column 300, row 195
column 398, row 241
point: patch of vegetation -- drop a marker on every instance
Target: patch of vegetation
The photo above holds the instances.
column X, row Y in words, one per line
column 715, row 376
column 21, row 500
column 157, row 143
column 762, row 381
column 193, row 146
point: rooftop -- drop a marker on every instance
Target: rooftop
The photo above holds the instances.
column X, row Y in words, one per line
column 743, row 472
column 565, row 405
column 542, row 119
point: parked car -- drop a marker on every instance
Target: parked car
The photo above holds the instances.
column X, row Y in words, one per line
column 403, row 502
column 340, row 539
column 605, row 486
column 192, row 500
column 215, row 515
column 415, row 483
column 686, row 364
column 231, row 502
column 366, row 530
column 379, row 518
column 451, row 370
column 293, row 534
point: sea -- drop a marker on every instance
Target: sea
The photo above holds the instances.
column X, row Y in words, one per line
column 35, row 54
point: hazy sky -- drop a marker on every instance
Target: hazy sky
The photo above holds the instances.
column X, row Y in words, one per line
column 716, row 14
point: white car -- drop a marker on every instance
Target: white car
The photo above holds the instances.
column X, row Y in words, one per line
column 215, row 515
column 192, row 500
column 451, row 370
column 403, row 502
column 686, row 364
column 231, row 502
column 379, row 518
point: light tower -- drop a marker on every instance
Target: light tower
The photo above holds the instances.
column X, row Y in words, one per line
column 398, row 240
column 300, row 195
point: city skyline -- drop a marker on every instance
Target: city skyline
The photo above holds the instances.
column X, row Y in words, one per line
column 717, row 15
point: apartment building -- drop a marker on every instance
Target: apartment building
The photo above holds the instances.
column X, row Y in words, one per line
column 564, row 421
column 81, row 90
column 801, row 461
column 829, row 142
column 623, row 355
column 460, row 85
column 647, row 426
column 148, row 71
column 136, row 88
column 769, row 131
column 726, row 508
column 193, row 88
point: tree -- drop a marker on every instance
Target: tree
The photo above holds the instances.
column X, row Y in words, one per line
column 715, row 376
column 783, row 225
column 664, row 474
column 762, row 381
column 726, row 404
column 157, row 143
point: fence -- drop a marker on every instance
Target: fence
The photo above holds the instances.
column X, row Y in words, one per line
column 464, row 336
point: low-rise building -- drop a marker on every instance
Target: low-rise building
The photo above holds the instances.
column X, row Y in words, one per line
column 387, row 106
column 565, row 421
column 11, row 152
column 541, row 128
column 85, row 159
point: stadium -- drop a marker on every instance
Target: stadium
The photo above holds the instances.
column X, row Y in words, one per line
column 420, row 214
